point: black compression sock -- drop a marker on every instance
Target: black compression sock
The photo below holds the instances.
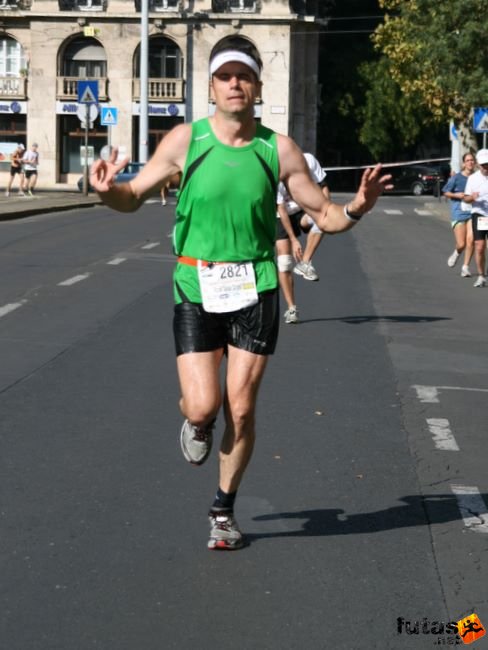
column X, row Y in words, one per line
column 224, row 500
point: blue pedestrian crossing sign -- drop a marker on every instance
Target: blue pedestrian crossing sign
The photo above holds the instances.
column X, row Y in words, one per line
column 480, row 120
column 109, row 116
column 88, row 92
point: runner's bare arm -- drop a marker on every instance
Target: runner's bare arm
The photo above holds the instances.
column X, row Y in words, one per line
column 329, row 217
column 167, row 160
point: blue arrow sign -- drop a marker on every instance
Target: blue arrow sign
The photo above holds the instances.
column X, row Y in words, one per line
column 480, row 120
column 88, row 92
column 109, row 116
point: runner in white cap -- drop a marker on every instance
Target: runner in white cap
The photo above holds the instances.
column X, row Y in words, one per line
column 225, row 281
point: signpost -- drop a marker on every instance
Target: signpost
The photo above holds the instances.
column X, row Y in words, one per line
column 109, row 117
column 88, row 95
column 480, row 122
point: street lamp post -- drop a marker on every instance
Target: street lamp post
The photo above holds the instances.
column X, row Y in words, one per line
column 143, row 74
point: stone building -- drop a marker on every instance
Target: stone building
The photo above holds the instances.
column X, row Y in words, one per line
column 48, row 46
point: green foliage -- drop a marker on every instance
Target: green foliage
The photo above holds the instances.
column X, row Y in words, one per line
column 436, row 53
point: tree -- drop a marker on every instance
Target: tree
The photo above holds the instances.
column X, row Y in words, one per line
column 436, row 54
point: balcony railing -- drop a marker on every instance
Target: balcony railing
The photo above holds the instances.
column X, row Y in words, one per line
column 161, row 5
column 67, row 88
column 13, row 88
column 82, row 5
column 237, row 6
column 162, row 90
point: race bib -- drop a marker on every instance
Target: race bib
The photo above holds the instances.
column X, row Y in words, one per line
column 482, row 223
column 227, row 286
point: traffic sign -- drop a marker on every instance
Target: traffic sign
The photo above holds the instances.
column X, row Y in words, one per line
column 109, row 116
column 88, row 92
column 81, row 112
column 480, row 120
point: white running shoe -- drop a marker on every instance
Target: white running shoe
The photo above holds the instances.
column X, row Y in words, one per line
column 7, row 193
column 452, row 259
column 306, row 270
column 480, row 282
column 291, row 315
column 465, row 272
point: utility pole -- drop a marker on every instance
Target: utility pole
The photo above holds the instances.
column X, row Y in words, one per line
column 143, row 74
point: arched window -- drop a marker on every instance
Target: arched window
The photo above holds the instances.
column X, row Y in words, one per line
column 12, row 59
column 85, row 58
column 165, row 59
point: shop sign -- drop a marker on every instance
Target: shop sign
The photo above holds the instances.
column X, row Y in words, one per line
column 13, row 107
column 161, row 110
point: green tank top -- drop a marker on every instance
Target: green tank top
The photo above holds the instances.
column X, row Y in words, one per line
column 226, row 209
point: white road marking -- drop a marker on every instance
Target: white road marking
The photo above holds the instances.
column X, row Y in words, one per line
column 117, row 260
column 442, row 434
column 430, row 394
column 147, row 247
column 472, row 507
column 393, row 211
column 74, row 280
column 423, row 213
column 427, row 394
column 11, row 306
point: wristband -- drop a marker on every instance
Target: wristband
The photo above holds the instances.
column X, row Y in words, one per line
column 352, row 217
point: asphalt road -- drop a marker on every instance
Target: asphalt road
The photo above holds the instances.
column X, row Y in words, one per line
column 365, row 507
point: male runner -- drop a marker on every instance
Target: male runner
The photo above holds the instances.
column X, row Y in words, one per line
column 225, row 281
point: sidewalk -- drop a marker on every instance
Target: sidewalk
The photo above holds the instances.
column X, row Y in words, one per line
column 440, row 208
column 15, row 206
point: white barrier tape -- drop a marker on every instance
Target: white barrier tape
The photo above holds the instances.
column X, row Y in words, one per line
column 386, row 165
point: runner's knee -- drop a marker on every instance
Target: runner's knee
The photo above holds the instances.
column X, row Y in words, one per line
column 285, row 263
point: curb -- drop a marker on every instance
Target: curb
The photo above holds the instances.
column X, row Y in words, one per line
column 33, row 210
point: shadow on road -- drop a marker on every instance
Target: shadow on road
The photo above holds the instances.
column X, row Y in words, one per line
column 416, row 511
column 359, row 320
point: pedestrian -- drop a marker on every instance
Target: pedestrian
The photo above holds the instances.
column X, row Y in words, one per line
column 461, row 215
column 164, row 192
column 225, row 280
column 304, row 267
column 288, row 246
column 476, row 194
column 30, row 161
column 16, row 169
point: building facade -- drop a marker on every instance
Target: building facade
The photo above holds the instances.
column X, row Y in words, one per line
column 47, row 47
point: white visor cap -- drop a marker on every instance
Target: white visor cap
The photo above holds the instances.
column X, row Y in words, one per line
column 233, row 55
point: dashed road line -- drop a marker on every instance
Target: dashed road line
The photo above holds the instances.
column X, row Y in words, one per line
column 10, row 307
column 472, row 507
column 117, row 260
column 423, row 213
column 147, row 247
column 74, row 280
column 442, row 435
column 393, row 211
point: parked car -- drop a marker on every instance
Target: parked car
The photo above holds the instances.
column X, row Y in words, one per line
column 127, row 174
column 417, row 179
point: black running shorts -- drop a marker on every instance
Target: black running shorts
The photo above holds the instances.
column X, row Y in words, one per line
column 478, row 235
column 254, row 329
column 295, row 224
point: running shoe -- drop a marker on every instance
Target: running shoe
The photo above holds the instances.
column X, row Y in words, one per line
column 306, row 270
column 7, row 193
column 196, row 442
column 452, row 259
column 224, row 532
column 291, row 315
column 480, row 282
column 21, row 193
column 29, row 192
column 465, row 272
